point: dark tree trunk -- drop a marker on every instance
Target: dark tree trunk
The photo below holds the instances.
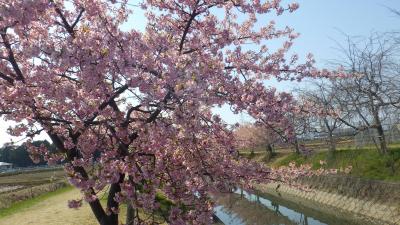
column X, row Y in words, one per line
column 381, row 134
column 130, row 214
column 269, row 149
column 95, row 205
column 296, row 146
column 382, row 139
column 332, row 143
column 330, row 128
column 115, row 188
column 107, row 220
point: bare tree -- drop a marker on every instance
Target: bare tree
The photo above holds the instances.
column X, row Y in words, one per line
column 300, row 124
column 373, row 87
column 323, row 119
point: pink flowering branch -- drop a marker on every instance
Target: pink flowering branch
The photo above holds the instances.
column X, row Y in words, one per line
column 129, row 111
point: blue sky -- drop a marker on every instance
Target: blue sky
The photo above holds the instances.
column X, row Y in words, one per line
column 320, row 23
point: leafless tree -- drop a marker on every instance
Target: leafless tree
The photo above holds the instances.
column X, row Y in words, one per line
column 323, row 119
column 300, row 123
column 373, row 87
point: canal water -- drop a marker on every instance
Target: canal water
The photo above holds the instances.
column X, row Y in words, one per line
column 243, row 208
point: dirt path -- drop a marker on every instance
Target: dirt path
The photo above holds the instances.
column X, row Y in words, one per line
column 53, row 211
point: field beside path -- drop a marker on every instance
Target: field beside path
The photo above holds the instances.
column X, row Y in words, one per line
column 20, row 186
column 52, row 211
column 40, row 197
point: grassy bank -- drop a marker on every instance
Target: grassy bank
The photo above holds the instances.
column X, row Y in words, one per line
column 22, row 205
column 24, row 193
column 366, row 163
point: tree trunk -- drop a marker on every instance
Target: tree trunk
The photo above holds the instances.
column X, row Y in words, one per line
column 332, row 143
column 269, row 150
column 296, row 146
column 382, row 139
column 130, row 214
column 381, row 134
column 108, row 221
column 115, row 188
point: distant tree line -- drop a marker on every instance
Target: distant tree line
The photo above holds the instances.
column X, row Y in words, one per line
column 19, row 156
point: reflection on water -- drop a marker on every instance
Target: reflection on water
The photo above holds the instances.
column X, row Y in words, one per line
column 242, row 208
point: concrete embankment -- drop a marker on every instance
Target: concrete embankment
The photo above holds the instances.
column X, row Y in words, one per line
column 364, row 201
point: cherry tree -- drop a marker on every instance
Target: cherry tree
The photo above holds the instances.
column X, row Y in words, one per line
column 129, row 111
column 252, row 136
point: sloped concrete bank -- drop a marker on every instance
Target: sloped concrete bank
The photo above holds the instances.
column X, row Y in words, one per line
column 363, row 201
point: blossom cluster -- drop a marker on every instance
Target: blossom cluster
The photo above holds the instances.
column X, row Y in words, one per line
column 130, row 110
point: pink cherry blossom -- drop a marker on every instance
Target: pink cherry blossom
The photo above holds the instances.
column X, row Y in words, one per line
column 74, row 204
column 130, row 111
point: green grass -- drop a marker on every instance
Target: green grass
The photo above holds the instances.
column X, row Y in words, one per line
column 18, row 206
column 366, row 163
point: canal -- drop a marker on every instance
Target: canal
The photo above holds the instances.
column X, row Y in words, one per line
column 243, row 208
